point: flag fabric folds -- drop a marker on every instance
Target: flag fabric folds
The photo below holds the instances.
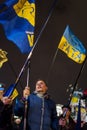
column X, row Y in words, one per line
column 14, row 94
column 18, row 20
column 11, row 92
column 3, row 57
column 72, row 46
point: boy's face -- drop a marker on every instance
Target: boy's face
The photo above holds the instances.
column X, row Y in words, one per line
column 41, row 86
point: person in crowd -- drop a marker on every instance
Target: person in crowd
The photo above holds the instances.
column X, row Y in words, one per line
column 65, row 120
column 84, row 126
column 6, row 111
column 41, row 109
column 16, row 123
column 83, row 117
column 84, row 123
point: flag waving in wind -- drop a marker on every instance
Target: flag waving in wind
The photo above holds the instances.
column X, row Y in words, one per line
column 11, row 92
column 18, row 20
column 3, row 57
column 72, row 46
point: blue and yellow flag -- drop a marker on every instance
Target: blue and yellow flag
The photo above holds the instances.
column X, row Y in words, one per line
column 14, row 94
column 11, row 92
column 3, row 57
column 72, row 46
column 18, row 20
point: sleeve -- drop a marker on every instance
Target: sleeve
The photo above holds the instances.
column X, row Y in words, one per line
column 54, row 118
column 5, row 114
column 2, row 107
column 19, row 107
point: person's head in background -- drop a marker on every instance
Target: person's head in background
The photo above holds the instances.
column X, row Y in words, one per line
column 66, row 110
column 6, row 100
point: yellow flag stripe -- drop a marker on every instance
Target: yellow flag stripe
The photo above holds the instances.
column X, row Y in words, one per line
column 71, row 52
column 30, row 39
column 25, row 10
column 14, row 94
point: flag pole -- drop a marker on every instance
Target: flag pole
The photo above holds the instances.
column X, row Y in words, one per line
column 28, row 72
column 30, row 54
column 76, row 82
column 26, row 102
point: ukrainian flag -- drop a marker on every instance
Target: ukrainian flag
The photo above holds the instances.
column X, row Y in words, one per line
column 72, row 46
column 11, row 92
column 18, row 20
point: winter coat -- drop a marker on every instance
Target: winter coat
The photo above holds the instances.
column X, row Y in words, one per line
column 41, row 114
column 70, row 125
column 5, row 116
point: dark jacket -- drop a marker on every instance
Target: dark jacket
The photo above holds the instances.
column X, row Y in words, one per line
column 41, row 114
column 5, row 116
column 84, row 126
column 70, row 125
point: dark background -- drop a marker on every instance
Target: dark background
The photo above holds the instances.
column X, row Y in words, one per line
column 61, row 72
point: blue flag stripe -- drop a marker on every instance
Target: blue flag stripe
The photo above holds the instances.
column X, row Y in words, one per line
column 73, row 40
column 15, row 27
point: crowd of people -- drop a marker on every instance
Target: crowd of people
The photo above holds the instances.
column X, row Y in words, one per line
column 6, row 111
column 35, row 111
